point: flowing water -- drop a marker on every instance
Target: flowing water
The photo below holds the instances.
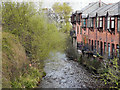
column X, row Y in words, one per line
column 64, row 73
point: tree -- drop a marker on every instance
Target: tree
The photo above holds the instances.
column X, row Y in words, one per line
column 63, row 11
column 35, row 33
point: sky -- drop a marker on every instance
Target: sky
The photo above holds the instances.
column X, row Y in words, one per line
column 75, row 4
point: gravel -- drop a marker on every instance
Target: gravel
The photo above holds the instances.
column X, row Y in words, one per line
column 67, row 74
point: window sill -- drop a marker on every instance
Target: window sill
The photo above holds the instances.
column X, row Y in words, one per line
column 100, row 30
column 111, row 31
column 83, row 27
column 91, row 29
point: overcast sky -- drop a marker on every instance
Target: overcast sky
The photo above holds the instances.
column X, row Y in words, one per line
column 75, row 4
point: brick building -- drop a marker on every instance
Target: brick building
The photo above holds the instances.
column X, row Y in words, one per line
column 97, row 27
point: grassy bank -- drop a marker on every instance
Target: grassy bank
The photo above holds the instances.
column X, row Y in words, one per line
column 17, row 70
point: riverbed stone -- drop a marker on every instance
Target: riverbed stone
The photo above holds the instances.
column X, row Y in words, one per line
column 71, row 73
column 63, row 81
column 66, row 74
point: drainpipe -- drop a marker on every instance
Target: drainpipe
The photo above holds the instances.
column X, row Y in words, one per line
column 119, row 50
column 119, row 32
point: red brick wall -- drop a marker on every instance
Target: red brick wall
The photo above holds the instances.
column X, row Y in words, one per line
column 104, row 36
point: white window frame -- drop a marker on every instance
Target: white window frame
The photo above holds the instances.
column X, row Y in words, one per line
column 118, row 24
column 112, row 22
column 101, row 22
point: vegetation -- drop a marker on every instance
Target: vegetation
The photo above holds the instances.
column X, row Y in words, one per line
column 27, row 40
column 71, row 51
column 14, row 58
column 63, row 10
column 28, row 79
column 111, row 73
column 105, row 70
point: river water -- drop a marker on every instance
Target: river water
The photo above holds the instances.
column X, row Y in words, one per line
column 64, row 73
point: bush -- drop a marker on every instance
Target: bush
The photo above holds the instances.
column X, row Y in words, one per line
column 29, row 79
column 71, row 51
column 112, row 76
column 92, row 64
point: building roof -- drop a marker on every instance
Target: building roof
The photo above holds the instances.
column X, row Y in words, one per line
column 93, row 13
column 90, row 8
column 94, row 9
column 112, row 10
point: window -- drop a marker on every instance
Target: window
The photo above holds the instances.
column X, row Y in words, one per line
column 95, row 44
column 118, row 26
column 80, row 30
column 84, row 22
column 117, row 50
column 101, row 48
column 105, row 48
column 97, row 22
column 74, row 18
column 98, row 43
column 77, row 29
column 101, row 22
column 111, row 23
column 113, row 50
column 92, row 45
column 90, row 22
column 78, row 18
column 108, row 49
column 98, row 46
column 89, row 42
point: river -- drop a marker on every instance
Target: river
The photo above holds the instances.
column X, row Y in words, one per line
column 64, row 73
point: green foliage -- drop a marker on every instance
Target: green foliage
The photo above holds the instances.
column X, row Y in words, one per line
column 15, row 20
column 71, row 51
column 37, row 35
column 66, row 28
column 112, row 76
column 45, row 37
column 29, row 79
column 63, row 11
column 92, row 64
column 28, row 38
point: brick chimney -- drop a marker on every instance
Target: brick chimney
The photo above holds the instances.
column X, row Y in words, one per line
column 99, row 3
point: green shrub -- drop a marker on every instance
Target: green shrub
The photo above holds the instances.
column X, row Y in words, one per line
column 29, row 79
column 93, row 65
column 71, row 51
column 112, row 76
